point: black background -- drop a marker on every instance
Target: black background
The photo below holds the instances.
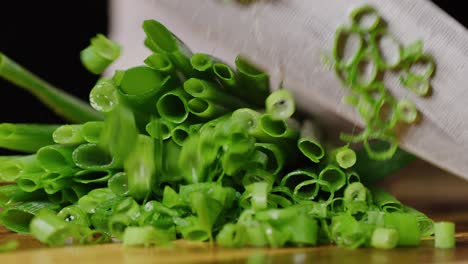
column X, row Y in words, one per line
column 47, row 36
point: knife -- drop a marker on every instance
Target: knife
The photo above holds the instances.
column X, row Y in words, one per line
column 288, row 38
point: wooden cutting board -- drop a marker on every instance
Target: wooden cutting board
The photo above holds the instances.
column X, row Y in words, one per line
column 440, row 195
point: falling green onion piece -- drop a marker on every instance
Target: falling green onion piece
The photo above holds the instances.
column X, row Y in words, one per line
column 99, row 54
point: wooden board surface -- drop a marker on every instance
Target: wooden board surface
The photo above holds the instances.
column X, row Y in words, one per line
column 439, row 194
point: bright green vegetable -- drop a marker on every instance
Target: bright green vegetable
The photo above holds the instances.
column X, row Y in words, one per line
column 68, row 134
column 384, row 238
column 99, row 54
column 181, row 154
column 26, row 137
column 444, row 235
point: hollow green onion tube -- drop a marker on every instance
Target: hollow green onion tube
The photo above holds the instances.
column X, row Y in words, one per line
column 406, row 111
column 69, row 134
column 365, row 18
column 344, row 39
column 407, row 227
column 74, row 214
column 161, row 63
column 275, row 157
column 334, row 176
column 426, row 225
column 385, row 201
column 162, row 40
column 278, row 128
column 293, row 179
column 363, row 71
column 384, row 238
column 26, row 137
column 444, row 235
column 206, row 108
column 172, row 106
column 104, row 96
column 159, row 129
column 309, row 142
column 118, row 183
column 60, row 102
column 17, row 217
column 180, row 133
column 381, row 41
column 50, row 229
column 355, row 198
column 352, row 176
column 11, row 169
column 140, row 168
column 280, row 104
column 254, row 81
column 202, row 63
column 55, row 182
column 383, row 151
column 191, row 229
column 91, row 156
column 343, row 157
column 231, row 235
column 56, row 158
column 92, row 130
column 226, row 77
column 11, row 194
column 140, row 87
column 90, row 176
column 99, row 54
column 30, row 182
column 199, row 88
column 418, row 84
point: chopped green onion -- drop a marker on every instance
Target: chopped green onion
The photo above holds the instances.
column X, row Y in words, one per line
column 444, row 235
column 280, row 104
column 384, row 238
column 26, row 137
column 99, row 54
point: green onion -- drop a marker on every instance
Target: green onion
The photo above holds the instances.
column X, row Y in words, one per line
column 60, row 102
column 444, row 235
column 160, row 62
column 68, row 134
column 17, row 217
column 26, row 137
column 56, row 158
column 384, row 238
column 280, row 104
column 99, row 54
column 172, row 106
column 92, row 130
column 104, row 97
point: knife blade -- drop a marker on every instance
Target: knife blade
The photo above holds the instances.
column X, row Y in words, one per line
column 288, row 38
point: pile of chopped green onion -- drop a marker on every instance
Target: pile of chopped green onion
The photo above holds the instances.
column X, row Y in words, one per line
column 186, row 146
